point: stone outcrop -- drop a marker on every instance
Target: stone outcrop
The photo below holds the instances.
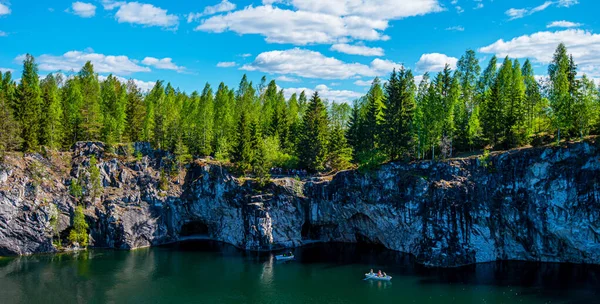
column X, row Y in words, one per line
column 537, row 204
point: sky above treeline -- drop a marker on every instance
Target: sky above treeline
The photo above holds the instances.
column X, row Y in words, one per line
column 335, row 47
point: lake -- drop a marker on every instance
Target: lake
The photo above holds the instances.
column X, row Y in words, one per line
column 212, row 272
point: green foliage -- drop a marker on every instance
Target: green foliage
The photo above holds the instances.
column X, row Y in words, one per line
column 51, row 132
column 95, row 187
column 29, row 105
column 398, row 114
column 484, row 159
column 312, row 150
column 79, row 232
column 163, row 183
column 75, row 189
column 135, row 112
column 91, row 113
column 56, row 240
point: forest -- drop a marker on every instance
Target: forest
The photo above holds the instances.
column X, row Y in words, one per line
column 453, row 113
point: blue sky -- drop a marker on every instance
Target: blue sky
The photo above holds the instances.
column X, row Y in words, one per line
column 334, row 46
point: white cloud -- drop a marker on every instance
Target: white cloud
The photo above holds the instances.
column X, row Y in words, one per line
column 82, row 9
column 144, row 86
column 378, row 9
column 357, row 50
column 110, row 4
column 74, row 61
column 296, row 27
column 311, row 64
column 287, row 79
column 540, row 47
column 517, row 13
column 435, row 62
column 3, row 34
column 363, row 83
column 163, row 64
column 457, row 28
column 563, row 23
column 4, row 10
column 325, row 92
column 4, row 70
column 224, row 6
column 144, row 14
column 227, row 64
column 316, row 21
column 245, row 55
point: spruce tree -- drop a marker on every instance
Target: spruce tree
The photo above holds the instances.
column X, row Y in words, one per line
column 205, row 119
column 29, row 103
column 224, row 124
column 79, row 233
column 135, row 112
column 242, row 153
column 532, row 96
column 312, row 150
column 9, row 137
column 398, row 114
column 468, row 71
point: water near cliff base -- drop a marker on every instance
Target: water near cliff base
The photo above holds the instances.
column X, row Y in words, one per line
column 210, row 272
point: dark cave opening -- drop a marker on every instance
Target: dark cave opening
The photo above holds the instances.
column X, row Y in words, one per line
column 306, row 229
column 194, row 228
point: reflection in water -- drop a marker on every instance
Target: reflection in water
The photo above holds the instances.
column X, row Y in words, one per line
column 210, row 272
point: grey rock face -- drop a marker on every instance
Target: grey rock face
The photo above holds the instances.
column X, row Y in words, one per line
column 540, row 204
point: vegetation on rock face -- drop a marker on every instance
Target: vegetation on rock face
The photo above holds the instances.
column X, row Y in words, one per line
column 95, row 181
column 79, row 232
column 468, row 109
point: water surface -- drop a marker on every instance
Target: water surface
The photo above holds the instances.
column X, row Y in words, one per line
column 210, row 272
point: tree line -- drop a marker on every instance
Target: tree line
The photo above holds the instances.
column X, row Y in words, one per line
column 256, row 127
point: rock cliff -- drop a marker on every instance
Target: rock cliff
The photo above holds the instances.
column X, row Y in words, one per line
column 537, row 204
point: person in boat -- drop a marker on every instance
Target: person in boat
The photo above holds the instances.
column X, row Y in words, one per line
column 371, row 271
column 384, row 274
column 379, row 273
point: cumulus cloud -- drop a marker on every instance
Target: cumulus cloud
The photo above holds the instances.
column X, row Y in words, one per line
column 4, row 9
column 435, row 62
column 540, row 47
column 163, row 64
column 287, row 79
column 563, row 23
column 311, row 64
column 144, row 14
column 4, row 70
column 363, row 83
column 82, row 9
column 325, row 92
column 316, row 21
column 74, row 60
column 224, row 6
column 357, row 50
column 517, row 13
column 227, row 64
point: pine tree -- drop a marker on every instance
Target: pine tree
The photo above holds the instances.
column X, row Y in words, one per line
column 51, row 132
column 532, row 97
column 340, row 153
column 29, row 102
column 561, row 82
column 353, row 133
column 312, row 150
column 91, row 107
column 135, row 112
column 583, row 107
column 72, row 103
column 114, row 100
column 516, row 114
column 205, row 117
column 294, row 121
column 370, row 136
column 223, row 121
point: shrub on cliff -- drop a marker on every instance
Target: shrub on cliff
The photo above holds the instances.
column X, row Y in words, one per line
column 79, row 233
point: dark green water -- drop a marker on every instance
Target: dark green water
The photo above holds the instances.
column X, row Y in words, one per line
column 210, row 272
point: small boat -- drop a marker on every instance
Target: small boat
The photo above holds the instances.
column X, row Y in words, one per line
column 285, row 257
column 374, row 277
